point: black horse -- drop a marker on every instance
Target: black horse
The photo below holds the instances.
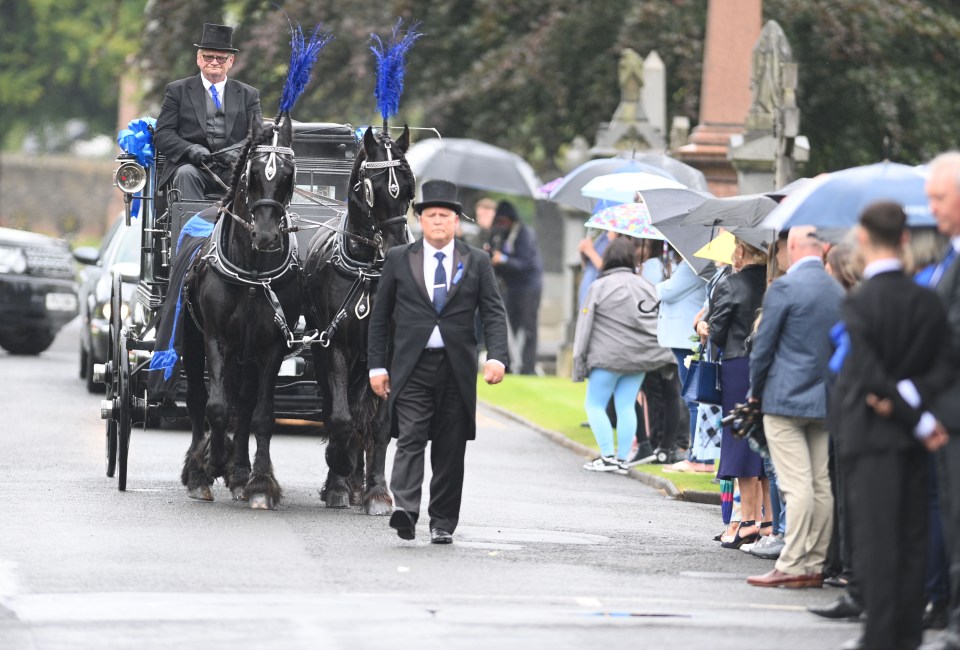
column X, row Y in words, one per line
column 244, row 299
column 341, row 271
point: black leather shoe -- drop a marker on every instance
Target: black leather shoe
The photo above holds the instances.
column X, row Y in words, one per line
column 404, row 523
column 935, row 616
column 440, row 536
column 842, row 608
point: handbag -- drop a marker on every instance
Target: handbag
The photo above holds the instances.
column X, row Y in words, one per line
column 703, row 380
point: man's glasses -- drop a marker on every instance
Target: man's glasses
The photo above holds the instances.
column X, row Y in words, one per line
column 209, row 58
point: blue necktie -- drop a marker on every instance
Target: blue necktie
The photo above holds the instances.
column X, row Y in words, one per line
column 439, row 283
column 943, row 266
column 216, row 97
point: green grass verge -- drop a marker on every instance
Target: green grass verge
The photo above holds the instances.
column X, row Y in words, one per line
column 556, row 404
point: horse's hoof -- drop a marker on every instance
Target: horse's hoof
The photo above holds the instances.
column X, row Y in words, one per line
column 239, row 493
column 338, row 499
column 202, row 493
column 377, row 508
column 261, row 501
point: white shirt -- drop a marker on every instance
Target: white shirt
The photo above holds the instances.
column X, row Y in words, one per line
column 429, row 273
column 219, row 86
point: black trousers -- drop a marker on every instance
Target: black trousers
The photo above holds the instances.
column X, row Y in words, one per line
column 429, row 408
column 195, row 184
column 948, row 476
column 887, row 495
column 522, row 308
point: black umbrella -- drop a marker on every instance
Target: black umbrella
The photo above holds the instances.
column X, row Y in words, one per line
column 730, row 212
column 668, row 208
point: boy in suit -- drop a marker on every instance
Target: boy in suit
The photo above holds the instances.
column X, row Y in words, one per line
column 900, row 358
column 429, row 293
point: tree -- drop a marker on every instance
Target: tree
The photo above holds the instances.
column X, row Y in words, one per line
column 61, row 59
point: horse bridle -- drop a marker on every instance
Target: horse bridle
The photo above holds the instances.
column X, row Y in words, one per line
column 270, row 171
column 393, row 188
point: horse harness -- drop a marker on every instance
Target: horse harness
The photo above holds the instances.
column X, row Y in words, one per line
column 364, row 274
column 254, row 279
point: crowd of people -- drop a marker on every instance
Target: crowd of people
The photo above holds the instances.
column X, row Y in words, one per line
column 842, row 357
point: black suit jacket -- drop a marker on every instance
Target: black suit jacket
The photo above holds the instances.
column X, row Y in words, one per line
column 898, row 330
column 183, row 119
column 402, row 298
column 947, row 405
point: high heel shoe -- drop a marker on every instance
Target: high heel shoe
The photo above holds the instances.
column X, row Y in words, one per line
column 739, row 541
column 766, row 524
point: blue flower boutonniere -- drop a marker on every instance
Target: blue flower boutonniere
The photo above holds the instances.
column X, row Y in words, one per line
column 458, row 274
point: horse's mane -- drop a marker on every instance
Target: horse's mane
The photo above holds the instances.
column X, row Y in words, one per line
column 248, row 145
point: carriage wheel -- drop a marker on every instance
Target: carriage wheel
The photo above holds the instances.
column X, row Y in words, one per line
column 125, row 405
column 113, row 360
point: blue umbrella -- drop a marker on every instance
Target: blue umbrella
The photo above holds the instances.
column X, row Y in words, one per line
column 836, row 200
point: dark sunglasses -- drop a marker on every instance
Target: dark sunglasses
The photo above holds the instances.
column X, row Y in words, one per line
column 210, row 57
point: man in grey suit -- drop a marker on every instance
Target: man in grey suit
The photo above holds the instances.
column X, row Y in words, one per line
column 788, row 371
column 943, row 191
column 203, row 117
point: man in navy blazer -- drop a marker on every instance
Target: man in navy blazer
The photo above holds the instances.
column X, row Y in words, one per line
column 788, row 372
column 426, row 304
column 203, row 115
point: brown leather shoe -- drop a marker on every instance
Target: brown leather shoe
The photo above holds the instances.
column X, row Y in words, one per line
column 777, row 578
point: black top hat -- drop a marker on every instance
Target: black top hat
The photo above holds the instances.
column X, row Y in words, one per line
column 438, row 193
column 217, row 37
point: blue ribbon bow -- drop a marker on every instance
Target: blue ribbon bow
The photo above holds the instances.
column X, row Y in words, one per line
column 458, row 274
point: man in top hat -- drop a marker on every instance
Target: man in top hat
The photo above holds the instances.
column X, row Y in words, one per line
column 423, row 313
column 203, row 116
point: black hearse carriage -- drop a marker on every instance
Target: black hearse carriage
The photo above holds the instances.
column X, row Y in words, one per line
column 324, row 155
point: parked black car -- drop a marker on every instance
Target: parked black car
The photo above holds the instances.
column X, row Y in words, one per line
column 38, row 295
column 119, row 254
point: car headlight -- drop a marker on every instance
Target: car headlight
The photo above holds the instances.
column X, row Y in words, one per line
column 124, row 311
column 12, row 260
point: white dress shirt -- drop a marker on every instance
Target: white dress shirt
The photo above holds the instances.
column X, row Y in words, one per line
column 429, row 273
column 219, row 86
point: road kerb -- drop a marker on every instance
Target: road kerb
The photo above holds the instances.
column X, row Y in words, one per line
column 657, row 482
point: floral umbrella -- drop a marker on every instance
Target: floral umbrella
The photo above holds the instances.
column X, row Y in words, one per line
column 631, row 219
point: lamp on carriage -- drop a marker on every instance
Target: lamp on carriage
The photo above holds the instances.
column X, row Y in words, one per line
column 131, row 178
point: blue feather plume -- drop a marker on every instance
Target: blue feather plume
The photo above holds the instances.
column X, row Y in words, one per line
column 391, row 61
column 303, row 54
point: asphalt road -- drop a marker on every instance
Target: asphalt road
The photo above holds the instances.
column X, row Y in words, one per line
column 547, row 555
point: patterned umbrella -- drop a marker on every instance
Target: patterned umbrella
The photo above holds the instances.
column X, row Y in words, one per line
column 631, row 219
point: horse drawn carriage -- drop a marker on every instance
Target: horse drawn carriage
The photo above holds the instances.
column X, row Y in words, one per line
column 325, row 154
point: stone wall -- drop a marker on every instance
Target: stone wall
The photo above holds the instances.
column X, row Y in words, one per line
column 58, row 195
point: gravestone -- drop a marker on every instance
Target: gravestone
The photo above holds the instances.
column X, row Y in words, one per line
column 767, row 154
column 630, row 128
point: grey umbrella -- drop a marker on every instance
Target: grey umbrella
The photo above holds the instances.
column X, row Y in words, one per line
column 472, row 163
column 732, row 211
column 567, row 192
column 668, row 208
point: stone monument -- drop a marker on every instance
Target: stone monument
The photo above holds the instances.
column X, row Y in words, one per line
column 642, row 94
column 767, row 154
column 724, row 91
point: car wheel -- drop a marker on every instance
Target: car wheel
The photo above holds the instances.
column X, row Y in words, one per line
column 26, row 342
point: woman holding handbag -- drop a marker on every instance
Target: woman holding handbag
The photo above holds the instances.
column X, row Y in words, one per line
column 735, row 303
column 614, row 346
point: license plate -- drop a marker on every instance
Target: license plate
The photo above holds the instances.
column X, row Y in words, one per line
column 61, row 301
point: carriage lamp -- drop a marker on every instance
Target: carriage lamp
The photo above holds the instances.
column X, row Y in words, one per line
column 12, row 260
column 130, row 177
